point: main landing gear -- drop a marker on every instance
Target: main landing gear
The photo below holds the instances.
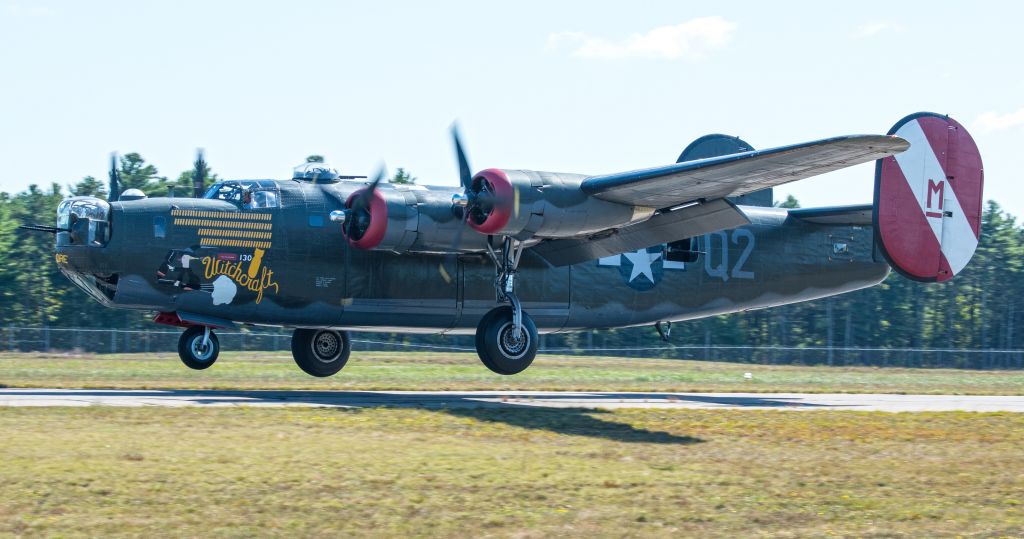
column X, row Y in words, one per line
column 320, row 352
column 506, row 337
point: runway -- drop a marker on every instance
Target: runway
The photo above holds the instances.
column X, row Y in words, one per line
column 477, row 399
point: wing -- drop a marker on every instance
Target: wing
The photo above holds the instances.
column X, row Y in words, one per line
column 859, row 215
column 663, row 227
column 740, row 173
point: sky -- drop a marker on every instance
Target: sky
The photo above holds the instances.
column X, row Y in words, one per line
column 590, row 87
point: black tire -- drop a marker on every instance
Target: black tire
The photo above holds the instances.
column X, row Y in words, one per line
column 320, row 352
column 192, row 352
column 496, row 346
column 480, row 332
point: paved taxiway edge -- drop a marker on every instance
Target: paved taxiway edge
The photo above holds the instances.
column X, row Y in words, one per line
column 476, row 399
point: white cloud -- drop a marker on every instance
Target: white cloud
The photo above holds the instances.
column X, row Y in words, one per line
column 690, row 40
column 15, row 9
column 877, row 27
column 990, row 121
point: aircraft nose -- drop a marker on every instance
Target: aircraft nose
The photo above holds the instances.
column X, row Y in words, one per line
column 82, row 253
column 84, row 221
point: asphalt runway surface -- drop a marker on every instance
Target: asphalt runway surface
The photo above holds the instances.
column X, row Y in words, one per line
column 491, row 399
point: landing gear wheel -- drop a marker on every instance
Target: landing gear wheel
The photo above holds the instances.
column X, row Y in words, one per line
column 498, row 346
column 194, row 351
column 320, row 352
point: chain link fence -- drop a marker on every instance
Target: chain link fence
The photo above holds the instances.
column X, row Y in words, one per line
column 123, row 341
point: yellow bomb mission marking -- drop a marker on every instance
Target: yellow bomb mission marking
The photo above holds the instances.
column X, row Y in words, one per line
column 256, row 278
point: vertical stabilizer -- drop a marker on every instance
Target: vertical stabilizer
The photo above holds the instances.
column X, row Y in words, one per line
column 928, row 199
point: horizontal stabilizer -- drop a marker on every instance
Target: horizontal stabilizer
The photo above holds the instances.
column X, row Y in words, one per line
column 741, row 173
column 664, row 227
column 856, row 215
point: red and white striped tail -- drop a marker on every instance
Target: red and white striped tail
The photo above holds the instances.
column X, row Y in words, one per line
column 928, row 199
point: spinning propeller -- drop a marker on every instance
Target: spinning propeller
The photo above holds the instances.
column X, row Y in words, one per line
column 364, row 219
column 487, row 198
column 115, row 190
column 199, row 175
column 486, row 203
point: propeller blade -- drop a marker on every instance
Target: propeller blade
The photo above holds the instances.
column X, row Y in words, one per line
column 363, row 200
column 115, row 189
column 361, row 204
column 377, row 179
column 448, row 267
column 199, row 175
column 465, row 174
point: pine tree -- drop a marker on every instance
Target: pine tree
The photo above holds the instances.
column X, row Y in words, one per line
column 402, row 177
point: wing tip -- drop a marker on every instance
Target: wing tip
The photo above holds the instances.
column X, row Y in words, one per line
column 891, row 144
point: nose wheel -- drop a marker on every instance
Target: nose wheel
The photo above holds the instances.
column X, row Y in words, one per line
column 198, row 347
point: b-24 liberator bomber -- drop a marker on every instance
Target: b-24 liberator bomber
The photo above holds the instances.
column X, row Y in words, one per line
column 510, row 253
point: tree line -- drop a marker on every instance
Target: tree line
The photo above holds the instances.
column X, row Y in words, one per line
column 978, row 310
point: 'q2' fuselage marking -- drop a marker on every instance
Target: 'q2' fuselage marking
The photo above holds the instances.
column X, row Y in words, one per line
column 716, row 259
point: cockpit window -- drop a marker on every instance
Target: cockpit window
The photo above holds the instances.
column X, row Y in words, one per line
column 260, row 199
column 247, row 195
column 230, row 192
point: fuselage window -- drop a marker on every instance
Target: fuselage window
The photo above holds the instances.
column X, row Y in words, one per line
column 683, row 251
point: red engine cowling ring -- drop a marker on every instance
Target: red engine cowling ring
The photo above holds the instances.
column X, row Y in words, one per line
column 504, row 195
column 378, row 208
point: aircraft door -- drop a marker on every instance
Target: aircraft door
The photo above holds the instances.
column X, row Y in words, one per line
column 385, row 289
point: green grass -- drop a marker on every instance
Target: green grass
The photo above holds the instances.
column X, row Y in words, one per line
column 510, row 472
column 455, row 371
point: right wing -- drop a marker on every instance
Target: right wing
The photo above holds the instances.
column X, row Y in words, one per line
column 691, row 196
column 739, row 173
column 663, row 227
column 858, row 215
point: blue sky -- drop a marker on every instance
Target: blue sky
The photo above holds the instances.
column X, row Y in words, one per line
column 589, row 87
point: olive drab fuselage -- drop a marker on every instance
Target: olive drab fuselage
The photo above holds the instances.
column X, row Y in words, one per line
column 286, row 263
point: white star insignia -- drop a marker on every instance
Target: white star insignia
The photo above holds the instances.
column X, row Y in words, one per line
column 641, row 260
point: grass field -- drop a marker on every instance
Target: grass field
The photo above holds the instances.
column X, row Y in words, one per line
column 508, row 472
column 462, row 371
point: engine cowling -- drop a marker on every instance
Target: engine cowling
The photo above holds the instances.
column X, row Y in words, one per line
column 495, row 201
column 406, row 219
column 365, row 223
column 524, row 204
column 528, row 203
